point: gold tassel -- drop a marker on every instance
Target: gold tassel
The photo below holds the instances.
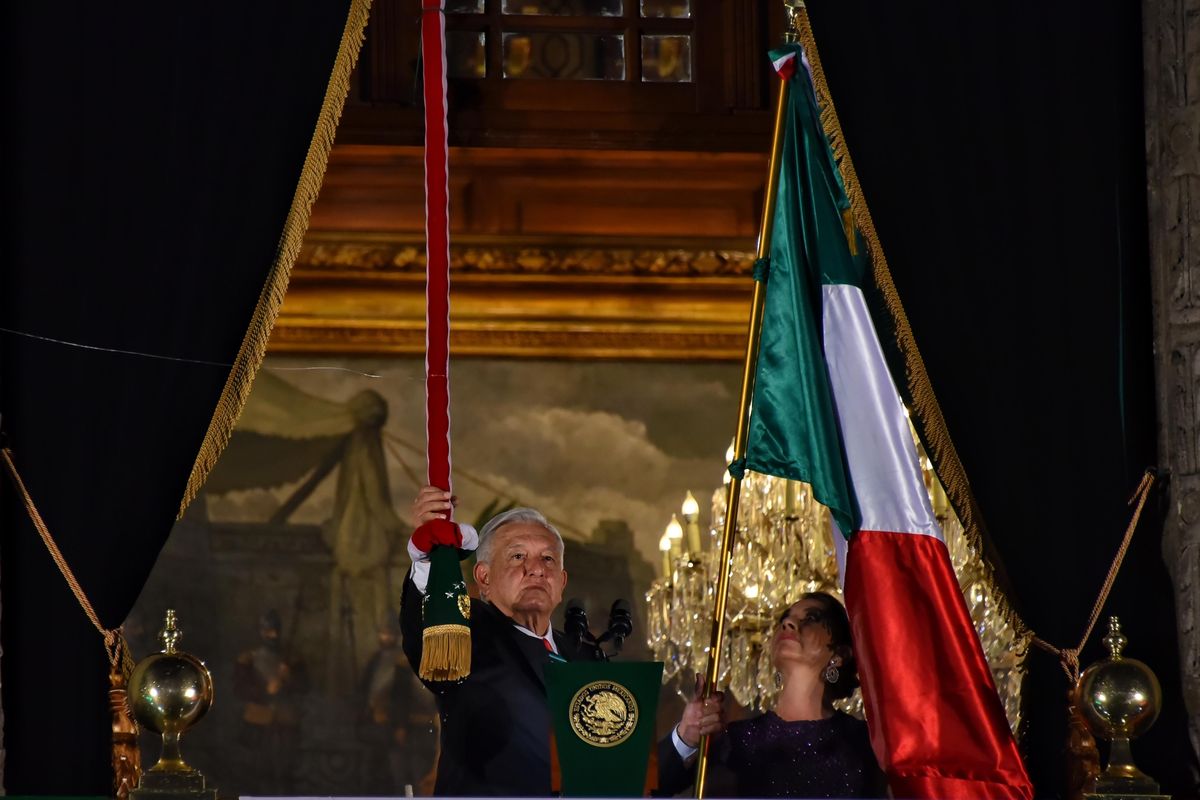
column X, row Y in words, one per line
column 1081, row 756
column 445, row 653
column 126, row 758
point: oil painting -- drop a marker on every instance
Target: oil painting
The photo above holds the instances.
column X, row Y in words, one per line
column 286, row 573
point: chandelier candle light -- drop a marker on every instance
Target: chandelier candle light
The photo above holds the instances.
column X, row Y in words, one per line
column 691, row 515
column 784, row 548
column 674, row 536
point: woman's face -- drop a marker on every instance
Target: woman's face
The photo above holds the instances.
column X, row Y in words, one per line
column 803, row 636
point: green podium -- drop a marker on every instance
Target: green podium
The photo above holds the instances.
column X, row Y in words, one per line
column 603, row 716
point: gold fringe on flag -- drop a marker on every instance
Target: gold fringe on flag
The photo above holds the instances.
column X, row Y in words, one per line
column 848, row 227
column 445, row 653
column 254, row 344
column 925, row 406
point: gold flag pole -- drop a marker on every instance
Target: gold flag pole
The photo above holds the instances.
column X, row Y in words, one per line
column 729, row 531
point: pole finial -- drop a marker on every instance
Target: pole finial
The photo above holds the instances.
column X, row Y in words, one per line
column 1115, row 640
column 791, row 33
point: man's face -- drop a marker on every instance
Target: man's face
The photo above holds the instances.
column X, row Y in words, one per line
column 525, row 575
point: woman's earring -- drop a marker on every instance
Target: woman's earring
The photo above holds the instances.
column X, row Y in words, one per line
column 831, row 671
column 778, row 680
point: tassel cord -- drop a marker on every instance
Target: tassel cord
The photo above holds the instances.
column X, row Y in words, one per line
column 1069, row 657
column 114, row 644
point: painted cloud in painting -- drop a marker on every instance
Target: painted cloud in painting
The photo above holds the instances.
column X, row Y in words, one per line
column 582, row 441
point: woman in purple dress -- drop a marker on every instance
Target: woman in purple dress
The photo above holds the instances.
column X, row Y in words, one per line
column 802, row 747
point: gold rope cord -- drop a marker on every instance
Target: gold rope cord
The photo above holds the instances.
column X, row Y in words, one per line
column 125, row 757
column 254, row 344
column 113, row 644
column 925, row 405
column 1069, row 656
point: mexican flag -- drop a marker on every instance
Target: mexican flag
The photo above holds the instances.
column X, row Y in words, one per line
column 826, row 411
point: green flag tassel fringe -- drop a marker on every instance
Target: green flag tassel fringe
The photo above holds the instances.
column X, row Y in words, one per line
column 445, row 615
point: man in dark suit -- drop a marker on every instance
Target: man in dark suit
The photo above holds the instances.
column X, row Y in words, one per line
column 495, row 723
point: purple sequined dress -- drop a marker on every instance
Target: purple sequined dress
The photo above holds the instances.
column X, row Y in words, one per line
column 809, row 758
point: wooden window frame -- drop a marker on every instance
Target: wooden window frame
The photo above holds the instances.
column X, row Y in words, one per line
column 724, row 108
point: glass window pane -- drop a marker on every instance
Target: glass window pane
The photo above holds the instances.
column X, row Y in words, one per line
column 464, row 6
column 667, row 8
column 578, row 56
column 667, row 59
column 573, row 8
column 466, row 54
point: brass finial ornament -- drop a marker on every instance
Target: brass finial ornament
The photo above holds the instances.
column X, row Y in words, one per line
column 791, row 34
column 1119, row 699
column 170, row 634
column 1115, row 641
column 170, row 691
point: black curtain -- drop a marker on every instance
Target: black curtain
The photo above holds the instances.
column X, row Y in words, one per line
column 1001, row 151
column 152, row 153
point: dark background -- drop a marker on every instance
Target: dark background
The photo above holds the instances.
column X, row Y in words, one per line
column 152, row 156
column 152, row 152
column 1001, row 152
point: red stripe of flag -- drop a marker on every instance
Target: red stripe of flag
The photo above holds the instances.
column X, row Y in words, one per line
column 906, row 608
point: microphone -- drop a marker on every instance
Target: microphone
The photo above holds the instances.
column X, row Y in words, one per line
column 575, row 626
column 620, row 623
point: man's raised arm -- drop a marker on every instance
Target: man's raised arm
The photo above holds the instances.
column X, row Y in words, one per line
column 431, row 507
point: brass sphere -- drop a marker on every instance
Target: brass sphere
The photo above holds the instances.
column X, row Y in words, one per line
column 170, row 692
column 1119, row 698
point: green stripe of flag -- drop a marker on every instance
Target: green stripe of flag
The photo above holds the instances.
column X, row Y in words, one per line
column 793, row 425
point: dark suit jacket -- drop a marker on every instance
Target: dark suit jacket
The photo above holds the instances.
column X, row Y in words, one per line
column 673, row 774
column 495, row 724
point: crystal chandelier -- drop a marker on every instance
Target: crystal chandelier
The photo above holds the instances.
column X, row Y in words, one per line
column 784, row 548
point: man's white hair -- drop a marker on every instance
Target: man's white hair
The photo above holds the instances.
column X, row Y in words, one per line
column 483, row 553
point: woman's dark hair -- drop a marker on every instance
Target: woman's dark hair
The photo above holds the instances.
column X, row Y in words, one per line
column 837, row 622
